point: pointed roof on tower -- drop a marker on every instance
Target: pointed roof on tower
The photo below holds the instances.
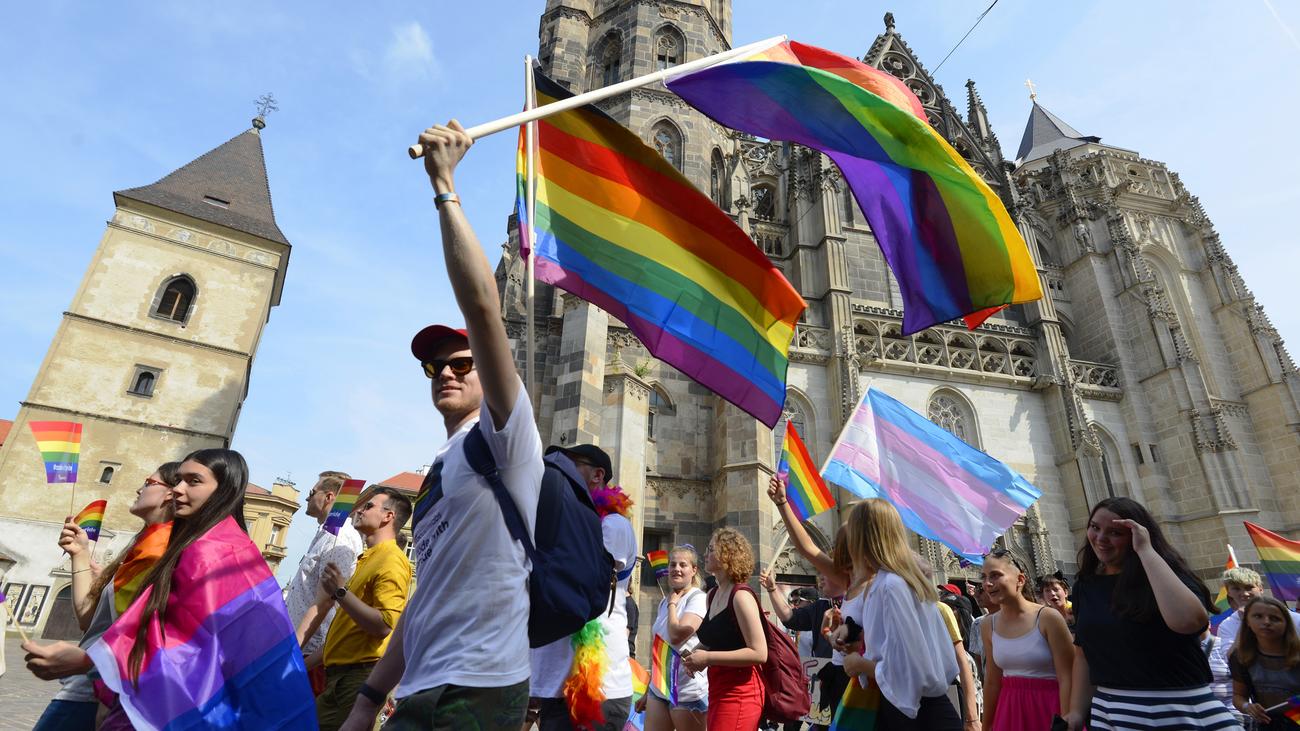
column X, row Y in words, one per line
column 226, row 186
column 1046, row 133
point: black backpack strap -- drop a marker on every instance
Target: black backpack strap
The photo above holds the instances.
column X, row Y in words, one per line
column 479, row 456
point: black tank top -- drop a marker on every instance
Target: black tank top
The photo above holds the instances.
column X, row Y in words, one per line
column 722, row 631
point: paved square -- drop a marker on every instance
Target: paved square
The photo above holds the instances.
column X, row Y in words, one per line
column 22, row 696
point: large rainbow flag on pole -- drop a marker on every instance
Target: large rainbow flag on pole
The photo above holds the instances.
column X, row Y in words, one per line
column 619, row 226
column 946, row 235
column 945, row 489
column 60, row 445
column 91, row 518
column 1280, row 559
column 344, row 502
column 804, row 486
column 229, row 658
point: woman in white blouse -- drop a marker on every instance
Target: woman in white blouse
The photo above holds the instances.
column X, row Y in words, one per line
column 680, row 614
column 905, row 647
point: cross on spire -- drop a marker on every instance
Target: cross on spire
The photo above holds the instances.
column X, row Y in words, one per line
column 265, row 105
column 1032, row 94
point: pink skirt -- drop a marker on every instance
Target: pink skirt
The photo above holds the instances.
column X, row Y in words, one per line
column 1027, row 703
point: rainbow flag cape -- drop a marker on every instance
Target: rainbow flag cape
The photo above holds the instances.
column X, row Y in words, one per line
column 944, row 489
column 60, row 445
column 344, row 502
column 663, row 669
column 1221, row 601
column 620, row 227
column 945, row 234
column 91, row 518
column 1280, row 559
column 804, row 486
column 228, row 658
column 145, row 550
column 658, row 562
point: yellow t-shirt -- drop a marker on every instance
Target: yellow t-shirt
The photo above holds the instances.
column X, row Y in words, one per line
column 949, row 621
column 382, row 580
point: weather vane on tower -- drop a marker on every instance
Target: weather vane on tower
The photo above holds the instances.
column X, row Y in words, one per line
column 265, row 105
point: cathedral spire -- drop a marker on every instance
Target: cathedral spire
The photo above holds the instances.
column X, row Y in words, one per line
column 1045, row 133
column 977, row 116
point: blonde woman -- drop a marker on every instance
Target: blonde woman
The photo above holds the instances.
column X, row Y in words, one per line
column 906, row 649
column 680, row 615
column 732, row 643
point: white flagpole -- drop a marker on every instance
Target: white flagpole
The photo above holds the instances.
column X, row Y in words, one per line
column 514, row 120
column 840, row 439
column 530, row 207
column 1232, row 555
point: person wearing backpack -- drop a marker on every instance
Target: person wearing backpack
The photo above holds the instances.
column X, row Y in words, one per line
column 584, row 681
column 733, row 639
column 460, row 650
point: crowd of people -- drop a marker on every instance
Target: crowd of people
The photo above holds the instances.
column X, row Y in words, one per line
column 1126, row 646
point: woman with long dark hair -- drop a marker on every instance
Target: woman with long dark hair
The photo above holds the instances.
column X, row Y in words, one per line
column 209, row 642
column 1139, row 612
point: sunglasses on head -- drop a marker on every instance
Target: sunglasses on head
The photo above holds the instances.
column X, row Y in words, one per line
column 459, row 366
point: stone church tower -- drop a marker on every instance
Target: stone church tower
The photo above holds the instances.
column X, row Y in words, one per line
column 153, row 356
column 1180, row 394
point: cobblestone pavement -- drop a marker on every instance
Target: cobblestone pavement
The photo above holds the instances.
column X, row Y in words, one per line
column 22, row 697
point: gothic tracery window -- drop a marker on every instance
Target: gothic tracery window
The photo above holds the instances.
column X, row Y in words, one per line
column 764, row 202
column 659, row 406
column 668, row 142
column 611, row 61
column 668, row 49
column 718, row 179
column 951, row 412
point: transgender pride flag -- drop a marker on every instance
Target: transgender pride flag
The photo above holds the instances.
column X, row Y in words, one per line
column 945, row 489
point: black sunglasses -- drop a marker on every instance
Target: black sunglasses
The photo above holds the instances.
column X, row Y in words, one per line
column 459, row 366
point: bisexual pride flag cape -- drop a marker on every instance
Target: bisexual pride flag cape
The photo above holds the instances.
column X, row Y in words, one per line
column 224, row 656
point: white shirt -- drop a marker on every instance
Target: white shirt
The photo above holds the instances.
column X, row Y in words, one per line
column 300, row 594
column 467, row 622
column 850, row 608
column 690, row 686
column 909, row 643
column 551, row 663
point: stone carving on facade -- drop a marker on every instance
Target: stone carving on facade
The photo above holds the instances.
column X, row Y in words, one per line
column 678, row 487
column 948, row 347
column 1083, row 237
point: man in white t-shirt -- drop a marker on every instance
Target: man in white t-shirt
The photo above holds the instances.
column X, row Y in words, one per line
column 460, row 650
column 552, row 663
column 325, row 548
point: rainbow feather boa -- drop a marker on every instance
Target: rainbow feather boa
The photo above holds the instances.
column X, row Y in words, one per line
column 583, row 690
column 612, row 500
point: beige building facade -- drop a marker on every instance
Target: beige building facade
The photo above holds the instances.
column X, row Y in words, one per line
column 1148, row 370
column 153, row 356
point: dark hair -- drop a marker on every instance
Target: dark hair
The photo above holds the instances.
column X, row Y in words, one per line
column 398, row 503
column 170, row 473
column 1052, row 578
column 1133, row 598
column 227, row 500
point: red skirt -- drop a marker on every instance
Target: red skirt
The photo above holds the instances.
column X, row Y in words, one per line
column 735, row 698
column 1026, row 703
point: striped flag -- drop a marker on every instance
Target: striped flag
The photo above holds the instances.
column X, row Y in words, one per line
column 804, row 486
column 945, row 489
column 663, row 669
column 619, row 226
column 60, row 445
column 344, row 502
column 91, row 518
column 1280, row 559
column 1221, row 601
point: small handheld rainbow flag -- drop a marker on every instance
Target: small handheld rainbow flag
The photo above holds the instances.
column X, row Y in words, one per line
column 60, row 445
column 663, row 669
column 1292, row 712
column 91, row 518
column 658, row 562
column 1221, row 601
column 344, row 502
column 1280, row 559
column 804, row 487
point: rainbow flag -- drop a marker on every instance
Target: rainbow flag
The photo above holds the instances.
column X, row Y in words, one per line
column 1217, row 620
column 229, row 658
column 344, row 502
column 1280, row 559
column 1221, row 601
column 91, row 518
column 658, row 562
column 944, row 489
column 945, row 234
column 804, row 486
column 663, row 669
column 1292, row 712
column 60, row 445
column 858, row 707
column 620, row 227
column 144, row 552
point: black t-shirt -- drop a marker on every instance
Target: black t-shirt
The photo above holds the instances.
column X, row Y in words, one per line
column 1123, row 653
column 808, row 618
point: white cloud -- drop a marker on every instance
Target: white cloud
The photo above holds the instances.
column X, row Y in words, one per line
column 409, row 53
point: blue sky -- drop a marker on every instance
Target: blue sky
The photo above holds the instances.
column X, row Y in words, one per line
column 101, row 97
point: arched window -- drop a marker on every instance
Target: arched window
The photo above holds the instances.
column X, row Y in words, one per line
column 106, row 476
column 668, row 48
column 143, row 381
column 668, row 142
column 764, row 202
column 659, row 406
column 797, row 412
column 718, row 178
column 175, row 299
column 610, row 64
column 951, row 411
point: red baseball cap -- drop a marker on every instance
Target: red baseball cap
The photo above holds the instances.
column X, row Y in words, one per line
column 426, row 342
column 952, row 588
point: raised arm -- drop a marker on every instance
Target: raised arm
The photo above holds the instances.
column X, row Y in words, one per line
column 1180, row 608
column 803, row 543
column 470, row 275
column 74, row 542
column 780, row 607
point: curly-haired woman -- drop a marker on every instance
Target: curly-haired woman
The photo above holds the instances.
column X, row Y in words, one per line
column 733, row 645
